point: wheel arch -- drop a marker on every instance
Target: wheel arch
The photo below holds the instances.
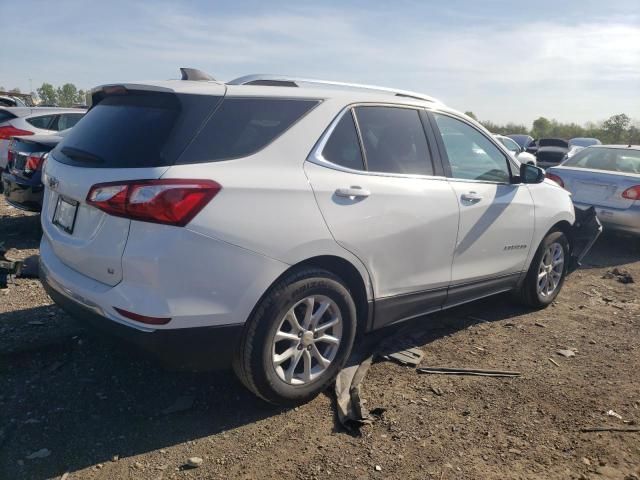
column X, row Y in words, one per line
column 348, row 273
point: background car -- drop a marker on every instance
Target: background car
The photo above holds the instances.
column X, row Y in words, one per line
column 30, row 121
column 516, row 150
column 11, row 101
column 521, row 139
column 578, row 143
column 551, row 151
column 607, row 177
column 22, row 178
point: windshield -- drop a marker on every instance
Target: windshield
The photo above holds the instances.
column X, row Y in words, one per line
column 583, row 142
column 607, row 159
column 522, row 140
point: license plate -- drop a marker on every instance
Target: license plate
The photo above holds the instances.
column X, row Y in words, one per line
column 65, row 213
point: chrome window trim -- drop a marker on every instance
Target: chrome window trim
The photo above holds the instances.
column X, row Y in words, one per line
column 316, row 153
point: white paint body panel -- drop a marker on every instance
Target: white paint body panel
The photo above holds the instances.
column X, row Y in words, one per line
column 502, row 218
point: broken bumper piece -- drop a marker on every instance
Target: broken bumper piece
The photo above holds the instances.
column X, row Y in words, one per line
column 584, row 233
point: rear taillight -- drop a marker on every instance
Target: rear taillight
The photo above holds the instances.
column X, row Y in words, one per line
column 9, row 131
column 34, row 162
column 555, row 178
column 632, row 193
column 166, row 201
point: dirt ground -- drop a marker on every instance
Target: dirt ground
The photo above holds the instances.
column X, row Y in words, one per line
column 99, row 408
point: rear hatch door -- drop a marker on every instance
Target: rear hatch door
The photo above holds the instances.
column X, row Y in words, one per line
column 129, row 134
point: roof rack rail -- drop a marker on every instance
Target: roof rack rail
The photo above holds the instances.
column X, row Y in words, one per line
column 285, row 81
column 195, row 74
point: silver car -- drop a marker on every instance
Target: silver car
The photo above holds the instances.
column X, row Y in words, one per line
column 607, row 177
column 33, row 120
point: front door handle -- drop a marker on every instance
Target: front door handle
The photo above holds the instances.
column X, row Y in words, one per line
column 353, row 192
column 471, row 198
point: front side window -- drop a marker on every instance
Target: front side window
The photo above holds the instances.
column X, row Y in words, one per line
column 394, row 140
column 471, row 155
column 343, row 147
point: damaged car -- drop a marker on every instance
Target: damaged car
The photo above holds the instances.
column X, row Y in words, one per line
column 263, row 222
column 551, row 151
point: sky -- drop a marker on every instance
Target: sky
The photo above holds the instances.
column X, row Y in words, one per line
column 572, row 60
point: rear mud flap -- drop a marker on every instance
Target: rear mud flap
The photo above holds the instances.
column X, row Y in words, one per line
column 584, row 233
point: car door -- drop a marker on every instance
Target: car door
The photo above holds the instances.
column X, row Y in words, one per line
column 496, row 215
column 385, row 201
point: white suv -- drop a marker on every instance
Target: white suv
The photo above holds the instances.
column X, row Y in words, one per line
column 264, row 222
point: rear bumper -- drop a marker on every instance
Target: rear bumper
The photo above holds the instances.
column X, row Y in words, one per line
column 623, row 220
column 21, row 193
column 184, row 348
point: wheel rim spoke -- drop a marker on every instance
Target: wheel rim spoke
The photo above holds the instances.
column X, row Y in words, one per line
column 309, row 332
column 550, row 270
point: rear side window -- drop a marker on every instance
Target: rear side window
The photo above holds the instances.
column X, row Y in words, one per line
column 243, row 126
column 43, row 122
column 4, row 116
column 66, row 120
column 394, row 140
column 343, row 147
column 139, row 129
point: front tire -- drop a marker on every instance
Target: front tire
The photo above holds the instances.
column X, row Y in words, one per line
column 298, row 338
column 547, row 271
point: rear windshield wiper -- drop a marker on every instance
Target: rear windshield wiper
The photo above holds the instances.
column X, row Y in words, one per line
column 81, row 155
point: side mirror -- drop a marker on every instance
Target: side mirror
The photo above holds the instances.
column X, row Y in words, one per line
column 531, row 174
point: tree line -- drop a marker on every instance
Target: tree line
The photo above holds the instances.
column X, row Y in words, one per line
column 66, row 95
column 617, row 129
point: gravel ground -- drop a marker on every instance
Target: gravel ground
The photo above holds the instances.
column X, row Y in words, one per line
column 97, row 409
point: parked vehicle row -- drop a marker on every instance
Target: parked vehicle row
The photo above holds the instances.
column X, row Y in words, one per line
column 519, row 152
column 19, row 121
column 263, row 222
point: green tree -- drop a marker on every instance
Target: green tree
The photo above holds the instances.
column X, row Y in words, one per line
column 615, row 128
column 48, row 94
column 67, row 94
column 471, row 114
column 81, row 98
column 541, row 127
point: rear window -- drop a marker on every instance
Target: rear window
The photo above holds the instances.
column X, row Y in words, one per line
column 608, row 159
column 66, row 120
column 136, row 130
column 243, row 126
column 553, row 142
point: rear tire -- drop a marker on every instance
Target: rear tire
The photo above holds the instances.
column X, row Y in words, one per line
column 547, row 272
column 298, row 338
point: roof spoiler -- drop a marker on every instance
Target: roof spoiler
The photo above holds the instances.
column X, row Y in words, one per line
column 195, row 74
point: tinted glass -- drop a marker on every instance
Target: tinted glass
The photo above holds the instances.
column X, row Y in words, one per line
column 343, row 147
column 553, row 142
column 43, row 121
column 67, row 120
column 242, row 126
column 139, row 129
column 608, row 159
column 471, row 155
column 4, row 116
column 394, row 140
column 522, row 140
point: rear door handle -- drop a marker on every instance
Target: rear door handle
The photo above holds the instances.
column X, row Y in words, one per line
column 471, row 198
column 353, row 191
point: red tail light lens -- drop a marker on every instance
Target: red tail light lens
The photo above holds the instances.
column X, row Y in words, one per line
column 170, row 201
column 34, row 162
column 632, row 193
column 555, row 178
column 9, row 131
